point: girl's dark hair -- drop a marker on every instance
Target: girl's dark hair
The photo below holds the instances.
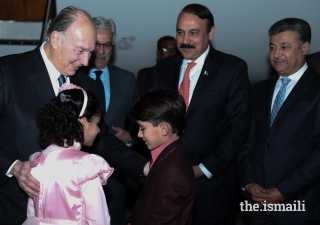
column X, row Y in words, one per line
column 58, row 120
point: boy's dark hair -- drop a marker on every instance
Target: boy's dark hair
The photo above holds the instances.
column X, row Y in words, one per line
column 160, row 105
column 58, row 120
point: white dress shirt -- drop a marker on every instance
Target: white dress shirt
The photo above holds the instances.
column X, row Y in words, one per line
column 294, row 80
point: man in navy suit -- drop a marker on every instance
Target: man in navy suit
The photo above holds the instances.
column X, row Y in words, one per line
column 217, row 120
column 27, row 82
column 280, row 161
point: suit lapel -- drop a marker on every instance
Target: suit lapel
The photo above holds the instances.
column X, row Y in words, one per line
column 304, row 82
column 39, row 77
column 264, row 100
column 209, row 66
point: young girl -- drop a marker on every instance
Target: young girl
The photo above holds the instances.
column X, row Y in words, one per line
column 71, row 191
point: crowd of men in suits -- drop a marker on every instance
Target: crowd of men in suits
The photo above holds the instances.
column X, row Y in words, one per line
column 267, row 139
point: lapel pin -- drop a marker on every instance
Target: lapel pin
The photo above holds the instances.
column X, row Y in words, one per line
column 206, row 73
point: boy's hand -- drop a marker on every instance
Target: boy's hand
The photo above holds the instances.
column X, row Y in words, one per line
column 197, row 172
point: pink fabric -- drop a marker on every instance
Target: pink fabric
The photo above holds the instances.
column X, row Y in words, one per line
column 65, row 175
column 156, row 152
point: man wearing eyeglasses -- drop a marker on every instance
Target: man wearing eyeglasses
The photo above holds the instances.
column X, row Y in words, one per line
column 166, row 46
column 117, row 91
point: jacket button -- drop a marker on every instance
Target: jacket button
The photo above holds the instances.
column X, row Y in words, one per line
column 267, row 144
column 261, row 167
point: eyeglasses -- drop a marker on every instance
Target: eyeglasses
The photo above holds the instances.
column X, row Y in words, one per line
column 172, row 50
column 106, row 46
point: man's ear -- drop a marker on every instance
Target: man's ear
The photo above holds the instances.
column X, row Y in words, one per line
column 305, row 47
column 211, row 33
column 55, row 39
column 165, row 127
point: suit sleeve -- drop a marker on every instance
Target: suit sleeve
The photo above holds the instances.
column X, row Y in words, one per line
column 171, row 197
column 6, row 159
column 118, row 155
column 238, row 118
column 134, row 95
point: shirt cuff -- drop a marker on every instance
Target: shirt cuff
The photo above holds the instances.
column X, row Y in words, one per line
column 8, row 172
column 205, row 171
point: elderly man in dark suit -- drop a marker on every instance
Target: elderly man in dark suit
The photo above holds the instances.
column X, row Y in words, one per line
column 117, row 93
column 280, row 161
column 217, row 121
column 27, row 82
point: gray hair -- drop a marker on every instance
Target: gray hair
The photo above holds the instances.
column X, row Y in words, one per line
column 106, row 24
column 64, row 20
column 292, row 24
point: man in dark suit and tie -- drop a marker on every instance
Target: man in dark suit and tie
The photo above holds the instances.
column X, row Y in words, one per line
column 27, row 82
column 280, row 161
column 217, row 121
column 166, row 46
column 117, row 91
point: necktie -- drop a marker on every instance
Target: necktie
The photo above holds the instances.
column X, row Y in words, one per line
column 100, row 89
column 185, row 84
column 279, row 99
column 61, row 80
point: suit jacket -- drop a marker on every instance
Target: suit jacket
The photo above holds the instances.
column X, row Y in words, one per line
column 168, row 193
column 146, row 79
column 123, row 94
column 286, row 155
column 314, row 61
column 25, row 87
column 218, row 118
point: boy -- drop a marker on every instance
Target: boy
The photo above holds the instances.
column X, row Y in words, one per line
column 168, row 193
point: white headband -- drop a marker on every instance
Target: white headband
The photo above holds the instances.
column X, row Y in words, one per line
column 70, row 86
column 85, row 102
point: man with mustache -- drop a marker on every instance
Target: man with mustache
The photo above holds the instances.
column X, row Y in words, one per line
column 117, row 92
column 280, row 161
column 27, row 82
column 216, row 89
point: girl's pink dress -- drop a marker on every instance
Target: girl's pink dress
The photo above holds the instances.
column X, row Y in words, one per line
column 70, row 187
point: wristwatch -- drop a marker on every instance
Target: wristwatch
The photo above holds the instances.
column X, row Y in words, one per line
column 129, row 143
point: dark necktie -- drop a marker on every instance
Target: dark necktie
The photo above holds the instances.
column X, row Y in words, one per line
column 100, row 90
column 61, row 80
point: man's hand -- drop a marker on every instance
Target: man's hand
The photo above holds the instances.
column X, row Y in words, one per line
column 21, row 171
column 258, row 193
column 277, row 197
column 197, row 172
column 122, row 134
